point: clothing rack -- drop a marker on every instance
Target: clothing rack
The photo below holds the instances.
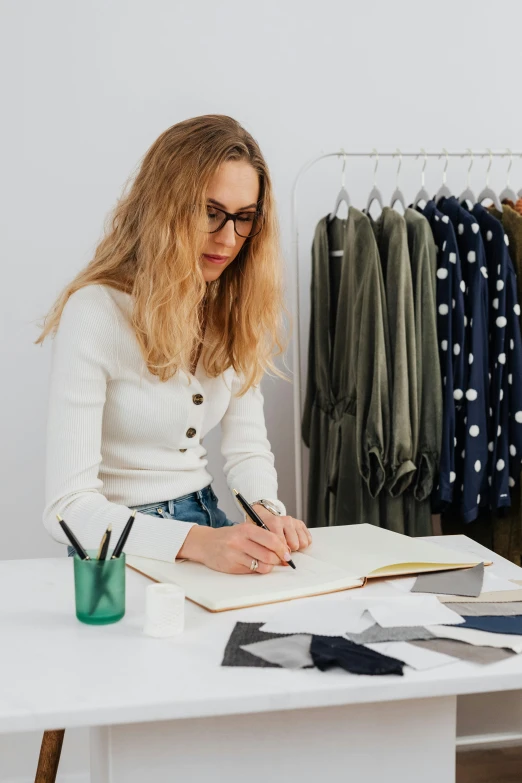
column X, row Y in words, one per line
column 295, row 234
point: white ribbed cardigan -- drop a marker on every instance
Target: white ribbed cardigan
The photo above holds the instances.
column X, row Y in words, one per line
column 117, row 436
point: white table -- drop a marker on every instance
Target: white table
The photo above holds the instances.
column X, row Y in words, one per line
column 164, row 710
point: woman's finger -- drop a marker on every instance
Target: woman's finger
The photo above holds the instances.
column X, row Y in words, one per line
column 302, row 532
column 262, row 568
column 267, row 539
column 291, row 534
column 258, row 552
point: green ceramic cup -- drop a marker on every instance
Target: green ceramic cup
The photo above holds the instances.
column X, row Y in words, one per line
column 99, row 587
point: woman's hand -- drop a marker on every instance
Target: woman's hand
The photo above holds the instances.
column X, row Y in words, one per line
column 292, row 531
column 232, row 549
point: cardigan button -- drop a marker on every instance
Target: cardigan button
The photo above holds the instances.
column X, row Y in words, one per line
column 183, row 449
column 191, row 432
column 197, row 399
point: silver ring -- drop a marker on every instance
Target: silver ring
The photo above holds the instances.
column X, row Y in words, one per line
column 254, row 565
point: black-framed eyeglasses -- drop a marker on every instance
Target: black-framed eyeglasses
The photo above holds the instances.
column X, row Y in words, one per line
column 246, row 224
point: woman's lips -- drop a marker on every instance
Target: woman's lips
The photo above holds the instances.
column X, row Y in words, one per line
column 216, row 259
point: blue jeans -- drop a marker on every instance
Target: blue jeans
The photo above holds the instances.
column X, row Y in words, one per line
column 200, row 507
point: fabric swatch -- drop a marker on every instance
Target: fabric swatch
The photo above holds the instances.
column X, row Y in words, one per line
column 398, row 634
column 507, row 596
column 332, row 617
column 329, row 651
column 412, row 610
column 464, row 581
column 464, row 651
column 512, row 609
column 494, row 624
column 415, row 657
column 478, row 638
column 243, row 634
column 290, row 652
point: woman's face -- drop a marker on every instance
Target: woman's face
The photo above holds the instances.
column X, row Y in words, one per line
column 234, row 188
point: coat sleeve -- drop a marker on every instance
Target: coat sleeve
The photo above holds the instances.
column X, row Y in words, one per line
column 83, row 353
column 249, row 461
column 428, row 366
column 401, row 325
column 373, row 410
column 310, row 377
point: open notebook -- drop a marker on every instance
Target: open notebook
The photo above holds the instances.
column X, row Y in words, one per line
column 339, row 558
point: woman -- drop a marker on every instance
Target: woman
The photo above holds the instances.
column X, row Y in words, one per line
column 166, row 333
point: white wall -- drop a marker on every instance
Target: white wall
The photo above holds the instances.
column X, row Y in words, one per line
column 87, row 87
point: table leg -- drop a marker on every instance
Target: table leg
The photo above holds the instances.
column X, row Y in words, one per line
column 49, row 759
column 399, row 742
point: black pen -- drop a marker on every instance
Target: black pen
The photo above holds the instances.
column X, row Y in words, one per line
column 80, row 551
column 104, row 545
column 123, row 538
column 255, row 517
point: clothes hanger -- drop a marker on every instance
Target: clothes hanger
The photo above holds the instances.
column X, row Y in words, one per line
column 423, row 194
column 398, row 195
column 508, row 192
column 467, row 195
column 342, row 195
column 375, row 193
column 488, row 192
column 443, row 191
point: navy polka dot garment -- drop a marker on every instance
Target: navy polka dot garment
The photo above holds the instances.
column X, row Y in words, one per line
column 451, row 333
column 505, row 434
column 472, row 420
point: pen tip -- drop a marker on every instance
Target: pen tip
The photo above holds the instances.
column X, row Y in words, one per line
column 134, row 512
column 109, row 528
column 58, row 517
column 235, row 492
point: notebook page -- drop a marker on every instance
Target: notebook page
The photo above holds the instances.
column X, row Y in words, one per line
column 217, row 591
column 366, row 550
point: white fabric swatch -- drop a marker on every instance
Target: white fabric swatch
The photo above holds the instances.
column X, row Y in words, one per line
column 496, row 584
column 411, row 610
column 479, row 638
column 409, row 654
column 402, row 583
column 322, row 618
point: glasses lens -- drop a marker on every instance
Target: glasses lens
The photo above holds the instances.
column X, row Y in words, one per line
column 215, row 217
column 248, row 224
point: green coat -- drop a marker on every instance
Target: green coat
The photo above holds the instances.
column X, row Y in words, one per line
column 346, row 419
column 392, row 241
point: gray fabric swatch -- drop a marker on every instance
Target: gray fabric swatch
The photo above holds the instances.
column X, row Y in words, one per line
column 464, row 581
column 512, row 609
column 290, row 652
column 398, row 634
column 247, row 633
column 466, row 652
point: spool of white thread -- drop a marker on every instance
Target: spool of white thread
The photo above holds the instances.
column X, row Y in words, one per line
column 164, row 610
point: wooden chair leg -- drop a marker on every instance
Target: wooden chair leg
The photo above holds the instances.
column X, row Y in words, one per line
column 50, row 751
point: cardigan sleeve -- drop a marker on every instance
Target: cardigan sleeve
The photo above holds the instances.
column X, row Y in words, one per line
column 249, row 461
column 83, row 352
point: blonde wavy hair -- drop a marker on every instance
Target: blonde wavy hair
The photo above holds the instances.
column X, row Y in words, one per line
column 152, row 246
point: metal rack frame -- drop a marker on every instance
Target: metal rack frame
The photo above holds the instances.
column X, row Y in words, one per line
column 296, row 342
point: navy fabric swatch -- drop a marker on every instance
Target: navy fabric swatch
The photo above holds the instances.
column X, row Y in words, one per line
column 329, row 651
column 494, row 624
